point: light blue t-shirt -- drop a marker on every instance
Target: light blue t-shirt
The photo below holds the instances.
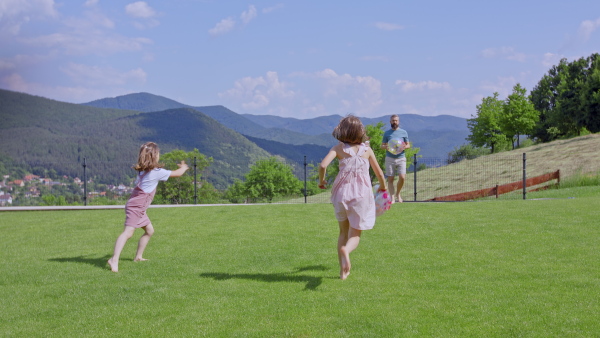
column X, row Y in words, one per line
column 399, row 134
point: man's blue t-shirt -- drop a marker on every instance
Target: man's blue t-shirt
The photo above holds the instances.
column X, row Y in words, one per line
column 399, row 134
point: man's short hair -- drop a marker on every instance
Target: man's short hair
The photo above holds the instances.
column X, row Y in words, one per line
column 395, row 115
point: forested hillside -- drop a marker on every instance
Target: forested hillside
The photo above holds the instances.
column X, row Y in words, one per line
column 436, row 136
column 54, row 135
column 141, row 102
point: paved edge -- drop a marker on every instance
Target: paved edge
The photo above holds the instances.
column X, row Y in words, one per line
column 108, row 207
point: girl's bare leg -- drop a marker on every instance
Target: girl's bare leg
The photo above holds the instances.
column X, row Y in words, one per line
column 343, row 258
column 119, row 244
column 351, row 244
column 149, row 231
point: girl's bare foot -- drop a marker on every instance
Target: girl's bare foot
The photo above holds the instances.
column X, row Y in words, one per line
column 114, row 267
column 345, row 264
column 140, row 259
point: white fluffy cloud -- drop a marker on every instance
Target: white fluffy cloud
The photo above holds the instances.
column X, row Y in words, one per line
column 551, row 59
column 15, row 13
column 86, row 44
column 407, row 86
column 587, row 27
column 222, row 27
column 272, row 8
column 258, row 92
column 332, row 93
column 508, row 53
column 140, row 9
column 248, row 15
column 228, row 24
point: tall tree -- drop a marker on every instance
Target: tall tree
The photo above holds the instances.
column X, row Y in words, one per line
column 180, row 190
column 485, row 127
column 375, row 135
column 568, row 101
column 590, row 95
column 270, row 178
column 519, row 116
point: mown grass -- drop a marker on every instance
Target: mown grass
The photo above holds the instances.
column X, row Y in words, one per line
column 501, row 268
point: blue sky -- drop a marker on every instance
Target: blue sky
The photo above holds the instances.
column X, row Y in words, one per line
column 298, row 59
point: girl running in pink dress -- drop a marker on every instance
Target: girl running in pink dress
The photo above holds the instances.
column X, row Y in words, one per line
column 351, row 193
column 150, row 172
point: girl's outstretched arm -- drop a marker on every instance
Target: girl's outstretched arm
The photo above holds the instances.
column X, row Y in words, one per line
column 323, row 166
column 377, row 170
column 182, row 169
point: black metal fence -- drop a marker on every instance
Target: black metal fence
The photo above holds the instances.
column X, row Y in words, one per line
column 86, row 183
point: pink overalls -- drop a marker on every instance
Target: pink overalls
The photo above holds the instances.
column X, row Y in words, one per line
column 138, row 203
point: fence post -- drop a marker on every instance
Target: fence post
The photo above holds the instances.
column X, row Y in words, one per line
column 415, row 173
column 524, row 176
column 84, row 184
column 195, row 183
column 305, row 192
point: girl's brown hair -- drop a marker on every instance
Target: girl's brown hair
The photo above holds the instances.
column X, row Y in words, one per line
column 148, row 157
column 350, row 130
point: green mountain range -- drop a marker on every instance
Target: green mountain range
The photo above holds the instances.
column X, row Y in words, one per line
column 38, row 132
column 45, row 133
column 436, row 136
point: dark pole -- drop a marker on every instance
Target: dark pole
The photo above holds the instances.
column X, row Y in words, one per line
column 305, row 193
column 84, row 184
column 415, row 173
column 195, row 183
column 524, row 177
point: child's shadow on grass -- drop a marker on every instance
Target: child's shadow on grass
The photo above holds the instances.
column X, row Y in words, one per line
column 312, row 282
column 98, row 262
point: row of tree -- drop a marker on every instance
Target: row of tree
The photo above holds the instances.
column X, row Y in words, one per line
column 568, row 99
column 565, row 103
column 266, row 180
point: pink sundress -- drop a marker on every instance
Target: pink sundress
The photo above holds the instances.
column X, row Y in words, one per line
column 352, row 193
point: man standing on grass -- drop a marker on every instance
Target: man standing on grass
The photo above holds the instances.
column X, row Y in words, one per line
column 395, row 163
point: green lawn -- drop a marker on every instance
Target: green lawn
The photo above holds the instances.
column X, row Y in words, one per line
column 481, row 269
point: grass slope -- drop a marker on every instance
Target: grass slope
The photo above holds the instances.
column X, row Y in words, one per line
column 576, row 156
column 438, row 269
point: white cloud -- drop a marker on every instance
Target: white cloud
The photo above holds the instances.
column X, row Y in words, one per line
column 248, row 15
column 551, row 59
column 224, row 26
column 326, row 92
column 15, row 82
column 257, row 93
column 90, row 3
column 140, row 9
column 508, row 53
column 386, row 26
column 272, row 8
column 15, row 13
column 503, row 86
column 103, row 76
column 359, row 93
column 587, row 27
column 90, row 43
column 407, row 86
column 6, row 65
column 75, row 94
column 91, row 20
